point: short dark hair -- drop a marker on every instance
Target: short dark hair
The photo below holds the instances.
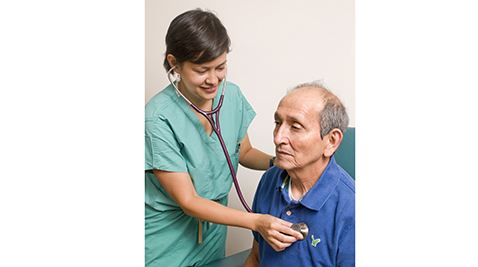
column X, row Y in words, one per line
column 333, row 115
column 197, row 36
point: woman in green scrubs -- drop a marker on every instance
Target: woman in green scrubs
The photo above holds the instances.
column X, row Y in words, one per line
column 187, row 179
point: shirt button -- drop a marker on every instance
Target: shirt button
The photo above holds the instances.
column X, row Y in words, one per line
column 288, row 213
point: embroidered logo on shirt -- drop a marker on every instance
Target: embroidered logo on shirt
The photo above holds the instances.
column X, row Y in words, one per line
column 315, row 241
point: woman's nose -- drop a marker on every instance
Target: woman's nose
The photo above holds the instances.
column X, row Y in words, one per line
column 212, row 78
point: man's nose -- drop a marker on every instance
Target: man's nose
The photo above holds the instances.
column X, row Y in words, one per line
column 280, row 135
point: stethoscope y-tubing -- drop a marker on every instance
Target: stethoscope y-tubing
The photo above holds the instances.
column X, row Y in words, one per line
column 217, row 130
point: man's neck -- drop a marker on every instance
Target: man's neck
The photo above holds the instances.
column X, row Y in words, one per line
column 302, row 180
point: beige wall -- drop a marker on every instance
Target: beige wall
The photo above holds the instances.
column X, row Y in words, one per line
column 275, row 45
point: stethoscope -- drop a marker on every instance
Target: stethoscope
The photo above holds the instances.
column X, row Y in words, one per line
column 300, row 227
column 216, row 128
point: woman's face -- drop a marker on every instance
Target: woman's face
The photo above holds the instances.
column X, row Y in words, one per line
column 199, row 82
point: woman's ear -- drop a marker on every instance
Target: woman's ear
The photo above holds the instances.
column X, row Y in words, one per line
column 334, row 138
column 172, row 62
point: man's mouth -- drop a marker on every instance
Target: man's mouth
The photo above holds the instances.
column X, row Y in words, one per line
column 282, row 153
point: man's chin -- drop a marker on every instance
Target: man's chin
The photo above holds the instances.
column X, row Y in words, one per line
column 284, row 165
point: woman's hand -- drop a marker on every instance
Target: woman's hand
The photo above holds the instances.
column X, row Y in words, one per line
column 276, row 232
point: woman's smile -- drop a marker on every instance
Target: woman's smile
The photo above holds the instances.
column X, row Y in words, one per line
column 209, row 90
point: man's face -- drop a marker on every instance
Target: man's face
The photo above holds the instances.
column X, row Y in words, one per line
column 297, row 132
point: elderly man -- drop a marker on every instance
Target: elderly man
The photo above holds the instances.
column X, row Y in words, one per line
column 307, row 185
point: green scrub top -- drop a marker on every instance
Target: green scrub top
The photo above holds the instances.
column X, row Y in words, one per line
column 176, row 141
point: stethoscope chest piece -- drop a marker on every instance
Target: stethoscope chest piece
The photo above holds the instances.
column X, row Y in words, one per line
column 301, row 228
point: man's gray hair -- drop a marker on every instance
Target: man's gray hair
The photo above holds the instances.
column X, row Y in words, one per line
column 333, row 115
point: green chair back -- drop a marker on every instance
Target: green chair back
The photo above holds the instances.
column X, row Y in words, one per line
column 345, row 154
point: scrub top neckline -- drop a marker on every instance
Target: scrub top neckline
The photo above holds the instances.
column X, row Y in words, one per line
column 188, row 110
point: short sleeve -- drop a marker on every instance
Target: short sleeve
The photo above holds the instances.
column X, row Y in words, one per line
column 248, row 115
column 162, row 151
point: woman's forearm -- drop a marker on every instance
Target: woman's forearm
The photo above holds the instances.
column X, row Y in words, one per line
column 275, row 231
column 253, row 158
column 211, row 211
column 179, row 186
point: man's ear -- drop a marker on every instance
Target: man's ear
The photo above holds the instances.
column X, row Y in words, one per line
column 334, row 138
column 173, row 62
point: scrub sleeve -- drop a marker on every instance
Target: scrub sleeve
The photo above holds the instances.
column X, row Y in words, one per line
column 176, row 141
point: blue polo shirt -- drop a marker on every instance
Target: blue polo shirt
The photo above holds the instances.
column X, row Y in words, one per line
column 328, row 209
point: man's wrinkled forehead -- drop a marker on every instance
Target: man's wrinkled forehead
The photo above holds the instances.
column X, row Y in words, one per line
column 288, row 114
column 302, row 100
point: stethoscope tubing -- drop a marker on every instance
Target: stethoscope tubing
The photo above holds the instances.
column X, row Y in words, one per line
column 217, row 130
